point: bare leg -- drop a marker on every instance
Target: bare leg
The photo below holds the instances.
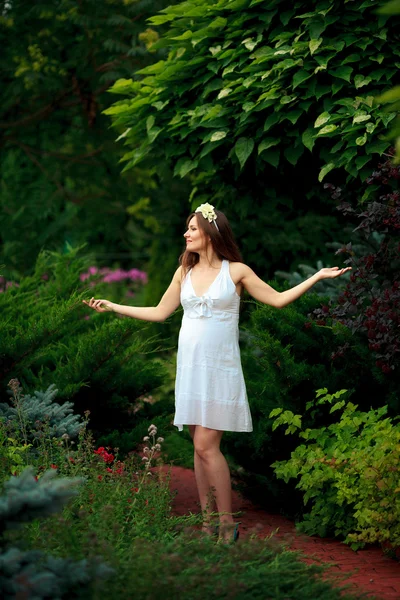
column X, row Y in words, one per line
column 206, row 495
column 216, row 470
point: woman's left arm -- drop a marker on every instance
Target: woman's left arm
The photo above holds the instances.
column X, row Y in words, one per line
column 263, row 292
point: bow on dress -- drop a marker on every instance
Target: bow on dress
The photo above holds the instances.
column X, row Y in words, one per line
column 200, row 306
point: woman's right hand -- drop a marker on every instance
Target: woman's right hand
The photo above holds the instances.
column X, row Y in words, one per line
column 97, row 305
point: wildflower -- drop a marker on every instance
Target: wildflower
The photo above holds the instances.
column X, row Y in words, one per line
column 146, row 439
column 157, row 447
column 146, row 450
column 152, row 427
column 160, row 440
column 100, row 477
column 65, row 436
column 109, row 470
column 99, row 450
column 145, row 458
column 14, row 385
column 53, row 467
column 71, row 460
column 135, row 490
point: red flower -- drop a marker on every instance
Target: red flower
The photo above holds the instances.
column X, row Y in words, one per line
column 71, row 460
column 108, row 458
column 100, row 477
column 109, row 470
column 53, row 467
column 99, row 450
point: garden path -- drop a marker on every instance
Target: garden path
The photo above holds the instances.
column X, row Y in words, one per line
column 367, row 570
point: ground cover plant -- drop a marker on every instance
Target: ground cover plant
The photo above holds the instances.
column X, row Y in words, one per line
column 92, row 526
column 348, row 471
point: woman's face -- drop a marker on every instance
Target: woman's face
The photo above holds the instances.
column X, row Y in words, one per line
column 195, row 240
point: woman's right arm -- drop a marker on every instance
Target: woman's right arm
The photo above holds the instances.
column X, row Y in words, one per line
column 167, row 305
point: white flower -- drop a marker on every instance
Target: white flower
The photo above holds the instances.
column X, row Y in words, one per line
column 207, row 210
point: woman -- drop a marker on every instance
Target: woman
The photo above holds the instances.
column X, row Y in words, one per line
column 210, row 391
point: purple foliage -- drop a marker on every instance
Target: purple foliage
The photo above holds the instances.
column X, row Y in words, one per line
column 370, row 303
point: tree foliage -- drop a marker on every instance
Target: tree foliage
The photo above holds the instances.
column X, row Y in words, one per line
column 60, row 180
column 255, row 104
column 262, row 84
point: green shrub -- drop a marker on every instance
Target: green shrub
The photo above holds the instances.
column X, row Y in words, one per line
column 347, row 471
column 101, row 363
column 32, row 573
column 285, row 355
column 122, row 515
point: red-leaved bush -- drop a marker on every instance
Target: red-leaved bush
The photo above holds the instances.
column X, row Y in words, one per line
column 370, row 303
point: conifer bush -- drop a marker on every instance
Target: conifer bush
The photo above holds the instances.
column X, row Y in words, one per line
column 32, row 573
column 100, row 363
column 39, row 407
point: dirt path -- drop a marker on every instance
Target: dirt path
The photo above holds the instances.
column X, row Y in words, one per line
column 368, row 570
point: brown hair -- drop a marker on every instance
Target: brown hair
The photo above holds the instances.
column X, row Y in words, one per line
column 221, row 239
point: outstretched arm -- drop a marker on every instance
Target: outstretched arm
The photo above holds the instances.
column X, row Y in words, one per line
column 265, row 293
column 167, row 305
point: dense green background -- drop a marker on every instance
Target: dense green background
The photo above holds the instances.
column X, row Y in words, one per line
column 250, row 105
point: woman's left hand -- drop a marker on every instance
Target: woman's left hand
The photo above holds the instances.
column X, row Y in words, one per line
column 332, row 272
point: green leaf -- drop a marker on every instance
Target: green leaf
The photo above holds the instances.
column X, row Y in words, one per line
column 184, row 166
column 185, row 36
column 377, row 147
column 322, row 119
column 308, row 139
column 271, row 120
column 337, row 406
column 275, row 412
column 301, row 76
column 360, row 118
column 293, row 153
column 360, row 81
column 218, row 135
column 343, row 73
column 267, row 143
column 314, row 44
column 243, row 148
column 360, row 141
column 390, row 8
column 218, row 23
column 271, row 157
column 250, row 44
column 223, row 93
column 327, row 129
column 324, row 171
column 150, row 122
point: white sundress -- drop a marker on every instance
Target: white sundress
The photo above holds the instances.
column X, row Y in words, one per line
column 210, row 389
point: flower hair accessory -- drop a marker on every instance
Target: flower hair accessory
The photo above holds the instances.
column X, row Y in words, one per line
column 208, row 212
